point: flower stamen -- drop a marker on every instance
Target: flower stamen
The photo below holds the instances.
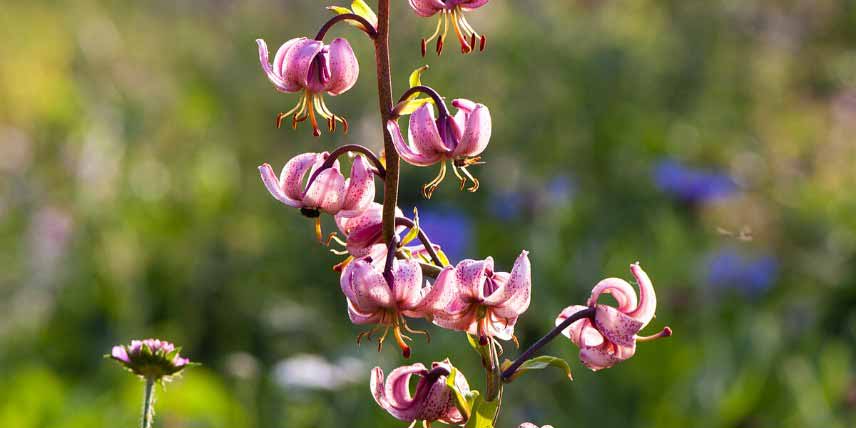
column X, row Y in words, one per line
column 429, row 188
column 665, row 332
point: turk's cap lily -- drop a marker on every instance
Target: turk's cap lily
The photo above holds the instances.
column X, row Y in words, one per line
column 152, row 359
column 365, row 230
column 303, row 63
column 431, row 140
column 450, row 10
column 329, row 192
column 612, row 334
column 484, row 302
column 531, row 425
column 432, row 400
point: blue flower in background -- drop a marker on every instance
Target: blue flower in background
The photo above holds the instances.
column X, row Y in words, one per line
column 507, row 205
column 690, row 184
column 450, row 228
column 729, row 269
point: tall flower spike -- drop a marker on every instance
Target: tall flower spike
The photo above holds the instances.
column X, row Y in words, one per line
column 459, row 139
column 611, row 337
column 152, row 359
column 432, row 401
column 311, row 68
column 373, row 299
column 450, row 11
column 486, row 303
column 329, row 191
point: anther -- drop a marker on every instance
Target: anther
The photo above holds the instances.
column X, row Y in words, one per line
column 440, row 41
column 473, row 42
column 279, row 119
column 482, row 42
column 424, row 48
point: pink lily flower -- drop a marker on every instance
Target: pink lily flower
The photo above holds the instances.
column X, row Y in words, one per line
column 329, row 192
column 450, row 10
column 363, row 232
column 374, row 299
column 612, row 336
column 432, row 401
column 459, row 139
column 311, row 67
column 531, row 425
column 485, row 303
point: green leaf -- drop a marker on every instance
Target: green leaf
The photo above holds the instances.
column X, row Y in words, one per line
column 339, row 10
column 482, row 350
column 483, row 413
column 540, row 363
column 410, row 105
column 463, row 400
column 362, row 9
column 415, row 76
column 414, row 231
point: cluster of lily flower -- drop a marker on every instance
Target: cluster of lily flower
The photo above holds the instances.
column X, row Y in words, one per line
column 385, row 283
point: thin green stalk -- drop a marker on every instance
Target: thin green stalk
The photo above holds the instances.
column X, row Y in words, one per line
column 148, row 400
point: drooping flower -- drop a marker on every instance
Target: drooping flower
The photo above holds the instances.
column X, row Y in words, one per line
column 460, row 139
column 152, row 359
column 365, row 231
column 611, row 337
column 450, row 10
column 485, row 303
column 311, row 67
column 327, row 191
column 385, row 301
column 531, row 425
column 433, row 399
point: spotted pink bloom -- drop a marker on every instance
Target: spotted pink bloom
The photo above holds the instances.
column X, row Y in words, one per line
column 450, row 11
column 372, row 299
column 365, row 231
column 612, row 336
column 531, row 425
column 460, row 139
column 329, row 192
column 311, row 67
column 153, row 359
column 485, row 303
column 432, row 401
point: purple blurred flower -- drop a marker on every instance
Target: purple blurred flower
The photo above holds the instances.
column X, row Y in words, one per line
column 692, row 185
column 153, row 359
column 728, row 269
column 450, row 228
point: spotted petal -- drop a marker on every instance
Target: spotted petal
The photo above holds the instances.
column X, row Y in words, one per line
column 644, row 312
column 327, row 192
column 394, row 395
column 344, row 68
column 360, row 189
column 273, row 186
column 365, row 287
column 426, row 8
column 476, row 134
column 274, row 74
column 298, row 61
column 423, row 132
column 615, row 325
column 512, row 297
column 408, row 153
column 623, row 293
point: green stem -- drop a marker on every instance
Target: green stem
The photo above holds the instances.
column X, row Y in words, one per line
column 148, row 400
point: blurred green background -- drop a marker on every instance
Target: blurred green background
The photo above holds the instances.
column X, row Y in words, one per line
column 713, row 141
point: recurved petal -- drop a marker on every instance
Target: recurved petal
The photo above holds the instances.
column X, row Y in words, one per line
column 615, row 325
column 579, row 329
column 360, row 189
column 461, row 320
column 512, row 298
column 298, row 60
column 273, row 186
column 605, row 356
column 291, row 178
column 426, row 8
column 644, row 312
column 476, row 134
column 362, row 318
column 623, row 293
column 423, row 131
column 394, row 395
column 408, row 153
column 365, row 287
column 344, row 68
column 473, row 4
column 407, row 284
column 437, row 401
column 500, row 327
column 265, row 62
column 438, row 295
column 471, row 275
column 327, row 192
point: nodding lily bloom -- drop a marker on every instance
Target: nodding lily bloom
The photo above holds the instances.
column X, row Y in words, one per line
column 459, row 139
column 450, row 10
column 152, row 359
column 374, row 298
column 531, row 425
column 327, row 191
column 485, row 303
column 611, row 337
column 310, row 67
column 364, row 231
column 433, row 399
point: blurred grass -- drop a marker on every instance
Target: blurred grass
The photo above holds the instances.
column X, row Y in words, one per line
column 130, row 206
